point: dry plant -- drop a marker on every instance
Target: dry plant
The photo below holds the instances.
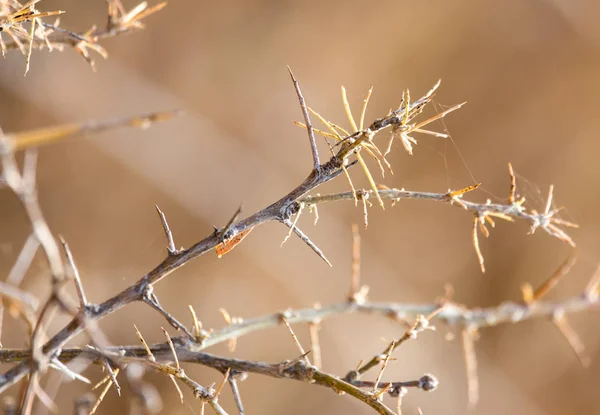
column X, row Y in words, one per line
column 26, row 30
column 129, row 362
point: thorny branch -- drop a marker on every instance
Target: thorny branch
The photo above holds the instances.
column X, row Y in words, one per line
column 187, row 348
column 456, row 316
column 504, row 211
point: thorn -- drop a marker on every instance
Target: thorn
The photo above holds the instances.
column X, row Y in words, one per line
column 561, row 271
column 560, row 320
column 77, row 279
column 170, row 242
column 227, row 227
column 172, row 346
column 196, row 322
column 304, row 355
column 476, row 243
column 513, row 185
column 307, row 241
column 309, row 128
column 148, row 351
column 468, row 337
column 383, row 366
column 220, row 387
column 314, row 328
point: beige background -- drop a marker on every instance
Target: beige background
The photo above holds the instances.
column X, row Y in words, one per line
column 530, row 73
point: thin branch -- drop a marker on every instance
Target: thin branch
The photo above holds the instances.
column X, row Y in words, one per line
column 516, row 211
column 23, row 262
column 14, row 294
column 298, row 370
column 47, row 135
column 452, row 314
column 420, row 324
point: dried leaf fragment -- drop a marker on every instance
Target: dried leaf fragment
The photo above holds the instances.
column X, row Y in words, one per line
column 226, row 246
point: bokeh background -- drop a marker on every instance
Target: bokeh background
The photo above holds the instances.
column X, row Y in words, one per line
column 530, row 71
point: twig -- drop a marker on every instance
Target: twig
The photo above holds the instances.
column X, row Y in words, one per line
column 42, row 136
column 426, row 383
column 14, row 294
column 516, row 211
column 23, row 262
column 421, row 324
column 452, row 314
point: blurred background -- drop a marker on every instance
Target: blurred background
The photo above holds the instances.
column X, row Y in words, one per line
column 530, row 72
